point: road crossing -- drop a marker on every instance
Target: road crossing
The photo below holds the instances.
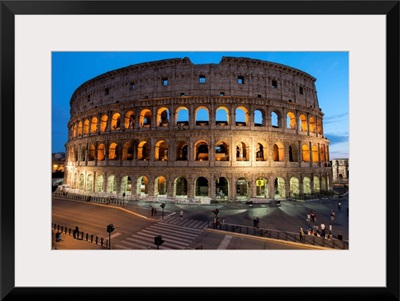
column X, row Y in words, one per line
column 175, row 237
column 184, row 222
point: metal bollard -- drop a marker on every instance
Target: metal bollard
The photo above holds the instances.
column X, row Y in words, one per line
column 101, row 241
column 91, row 238
column 87, row 236
column 97, row 240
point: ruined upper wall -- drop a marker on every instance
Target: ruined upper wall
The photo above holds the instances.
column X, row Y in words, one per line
column 233, row 76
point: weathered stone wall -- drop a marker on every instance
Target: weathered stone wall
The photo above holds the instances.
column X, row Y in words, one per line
column 125, row 123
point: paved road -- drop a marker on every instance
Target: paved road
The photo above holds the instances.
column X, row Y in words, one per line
column 186, row 232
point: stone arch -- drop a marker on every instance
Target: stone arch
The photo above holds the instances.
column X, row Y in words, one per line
column 101, row 152
column 307, row 186
column 202, row 115
column 222, row 116
column 89, row 183
column 201, row 150
column 201, row 186
column 129, row 120
column 317, row 184
column 145, row 118
column 312, row 124
column 112, row 184
column 242, row 188
column 222, row 188
column 180, row 186
column 104, row 123
column 161, row 151
column 99, row 183
column 315, row 158
column 280, row 188
column 278, row 152
column 182, row 150
column 126, row 185
column 94, row 125
column 262, row 187
column 91, row 152
column 259, row 117
column 221, row 151
column 302, row 123
column 86, row 127
column 142, row 187
column 291, row 120
column 276, row 118
column 242, row 152
column 143, row 150
column 241, row 116
column 305, row 153
column 82, row 182
column 160, row 186
column 182, row 116
column 127, row 151
column 163, row 117
column 113, row 151
column 294, row 187
column 293, row 153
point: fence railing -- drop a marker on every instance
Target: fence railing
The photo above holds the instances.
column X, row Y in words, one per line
column 281, row 235
column 80, row 235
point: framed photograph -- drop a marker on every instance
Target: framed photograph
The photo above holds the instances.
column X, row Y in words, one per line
column 33, row 30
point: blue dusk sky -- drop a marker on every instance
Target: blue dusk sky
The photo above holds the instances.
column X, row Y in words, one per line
column 331, row 69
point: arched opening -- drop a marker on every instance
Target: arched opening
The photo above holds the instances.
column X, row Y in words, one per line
column 182, row 116
column 276, row 119
column 89, row 183
column 312, row 125
column 242, row 153
column 112, row 184
column 126, row 185
column 317, row 185
column 129, row 121
column 291, row 121
column 143, row 151
column 294, row 187
column 258, row 118
column 221, row 189
column 262, row 187
column 99, row 183
column 101, row 152
column 104, row 123
column 161, row 151
column 180, row 186
column 80, row 128
column 315, row 158
column 260, row 152
column 241, row 116
column 201, row 151
column 145, row 118
column 221, row 151
column 81, row 181
column 91, row 152
column 302, row 123
column 127, row 151
column 163, row 117
column 201, row 186
column 306, row 186
column 160, row 187
column 112, row 152
column 142, row 186
column 242, row 188
column 182, row 151
column 222, row 116
column 94, row 124
column 305, row 153
column 202, row 116
column 279, row 185
column 293, row 154
column 278, row 152
column 86, row 127
column 116, row 122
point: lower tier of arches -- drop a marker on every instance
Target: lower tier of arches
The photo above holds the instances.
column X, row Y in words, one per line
column 220, row 185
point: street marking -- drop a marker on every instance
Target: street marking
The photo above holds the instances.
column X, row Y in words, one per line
column 115, row 235
column 225, row 242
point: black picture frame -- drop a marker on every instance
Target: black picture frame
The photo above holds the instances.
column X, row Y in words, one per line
column 9, row 9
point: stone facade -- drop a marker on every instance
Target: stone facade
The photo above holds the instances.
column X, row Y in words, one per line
column 238, row 130
column 340, row 171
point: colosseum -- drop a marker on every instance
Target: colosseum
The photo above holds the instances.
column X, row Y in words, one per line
column 240, row 130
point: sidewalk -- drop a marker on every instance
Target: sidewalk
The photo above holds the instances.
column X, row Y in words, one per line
column 68, row 242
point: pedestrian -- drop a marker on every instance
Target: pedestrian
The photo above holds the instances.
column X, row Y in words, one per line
column 155, row 211
column 308, row 216
column 332, row 216
column 340, row 236
column 223, row 221
column 181, row 213
column 339, row 205
column 330, row 228
column 76, row 232
column 323, row 229
column 301, row 235
column 152, row 210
